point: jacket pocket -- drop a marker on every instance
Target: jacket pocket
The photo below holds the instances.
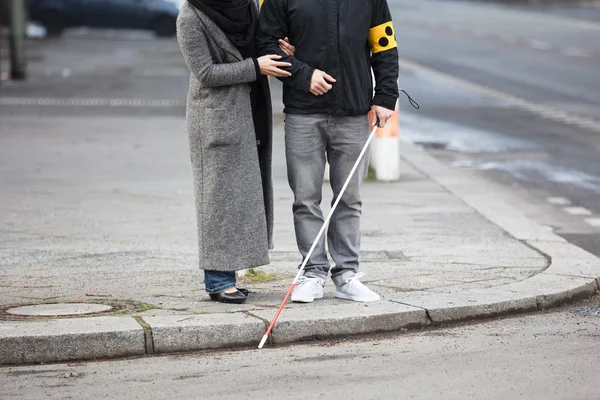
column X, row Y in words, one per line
column 220, row 128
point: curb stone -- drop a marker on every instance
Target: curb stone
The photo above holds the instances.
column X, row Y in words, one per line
column 70, row 340
column 299, row 324
column 553, row 290
column 465, row 305
column 173, row 334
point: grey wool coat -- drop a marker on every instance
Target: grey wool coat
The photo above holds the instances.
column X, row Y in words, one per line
column 232, row 181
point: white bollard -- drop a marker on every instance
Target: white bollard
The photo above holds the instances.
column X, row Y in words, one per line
column 385, row 150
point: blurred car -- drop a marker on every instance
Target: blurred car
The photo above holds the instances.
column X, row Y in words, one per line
column 158, row 16
column 178, row 3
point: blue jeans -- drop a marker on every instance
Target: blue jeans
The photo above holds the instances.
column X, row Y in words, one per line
column 217, row 281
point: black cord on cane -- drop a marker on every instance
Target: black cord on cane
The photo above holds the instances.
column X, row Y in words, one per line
column 410, row 100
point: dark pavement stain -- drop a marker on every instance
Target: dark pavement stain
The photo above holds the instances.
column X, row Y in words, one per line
column 331, row 357
column 184, row 377
column 47, row 372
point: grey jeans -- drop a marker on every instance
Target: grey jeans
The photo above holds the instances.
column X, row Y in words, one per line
column 308, row 140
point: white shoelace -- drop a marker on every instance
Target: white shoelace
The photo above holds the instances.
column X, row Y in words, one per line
column 306, row 279
column 355, row 278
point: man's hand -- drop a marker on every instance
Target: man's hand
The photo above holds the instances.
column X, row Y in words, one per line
column 381, row 114
column 287, row 47
column 321, row 83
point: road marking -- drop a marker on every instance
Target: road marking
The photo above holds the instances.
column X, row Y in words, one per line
column 575, row 23
column 535, row 108
column 90, row 102
column 575, row 52
column 456, row 28
column 540, row 45
column 578, row 211
column 479, row 32
column 559, row 201
column 595, row 222
column 509, row 39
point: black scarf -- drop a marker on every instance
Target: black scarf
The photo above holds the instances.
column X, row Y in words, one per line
column 236, row 18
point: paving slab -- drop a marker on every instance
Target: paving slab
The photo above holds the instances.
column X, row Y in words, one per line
column 70, row 339
column 568, row 259
column 475, row 192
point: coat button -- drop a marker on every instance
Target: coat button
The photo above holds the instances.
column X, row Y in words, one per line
column 258, row 142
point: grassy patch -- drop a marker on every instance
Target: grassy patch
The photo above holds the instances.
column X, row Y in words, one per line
column 260, row 276
column 143, row 323
column 148, row 307
column 370, row 175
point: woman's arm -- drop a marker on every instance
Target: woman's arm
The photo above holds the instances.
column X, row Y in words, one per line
column 194, row 47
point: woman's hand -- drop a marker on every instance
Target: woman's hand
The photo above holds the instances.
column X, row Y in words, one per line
column 287, row 47
column 270, row 66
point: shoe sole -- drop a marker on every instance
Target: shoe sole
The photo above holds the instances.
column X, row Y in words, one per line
column 216, row 300
column 307, row 299
column 345, row 296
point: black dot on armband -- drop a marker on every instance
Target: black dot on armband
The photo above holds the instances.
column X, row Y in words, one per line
column 389, row 31
column 383, row 42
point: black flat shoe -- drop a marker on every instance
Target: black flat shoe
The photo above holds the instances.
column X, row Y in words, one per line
column 243, row 291
column 233, row 298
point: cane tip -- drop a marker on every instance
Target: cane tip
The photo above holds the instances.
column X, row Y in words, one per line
column 263, row 341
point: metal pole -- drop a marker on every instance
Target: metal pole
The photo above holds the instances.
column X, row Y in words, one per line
column 18, row 23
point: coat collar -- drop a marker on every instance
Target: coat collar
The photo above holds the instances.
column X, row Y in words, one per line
column 217, row 34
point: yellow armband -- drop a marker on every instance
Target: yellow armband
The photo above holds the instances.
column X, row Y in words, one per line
column 382, row 38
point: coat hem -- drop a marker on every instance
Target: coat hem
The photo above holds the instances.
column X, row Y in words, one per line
column 251, row 264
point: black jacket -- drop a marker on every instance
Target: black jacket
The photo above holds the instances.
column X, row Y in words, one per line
column 343, row 38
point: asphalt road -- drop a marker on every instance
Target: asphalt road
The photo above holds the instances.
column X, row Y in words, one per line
column 513, row 92
column 99, row 73
column 547, row 356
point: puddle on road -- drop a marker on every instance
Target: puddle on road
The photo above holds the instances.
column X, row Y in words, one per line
column 434, row 134
column 528, row 170
column 588, row 311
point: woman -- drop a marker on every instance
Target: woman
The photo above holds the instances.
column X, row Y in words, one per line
column 229, row 119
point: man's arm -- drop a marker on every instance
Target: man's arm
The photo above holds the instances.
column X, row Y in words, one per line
column 274, row 26
column 384, row 56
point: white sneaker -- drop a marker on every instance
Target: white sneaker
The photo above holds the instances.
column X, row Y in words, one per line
column 308, row 289
column 354, row 290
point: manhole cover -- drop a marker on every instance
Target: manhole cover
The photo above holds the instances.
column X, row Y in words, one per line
column 54, row 310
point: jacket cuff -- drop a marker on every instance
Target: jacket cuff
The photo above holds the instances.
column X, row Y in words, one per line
column 256, row 67
column 304, row 82
column 384, row 101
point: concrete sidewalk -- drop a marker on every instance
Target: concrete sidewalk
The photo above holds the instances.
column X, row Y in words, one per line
column 100, row 210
